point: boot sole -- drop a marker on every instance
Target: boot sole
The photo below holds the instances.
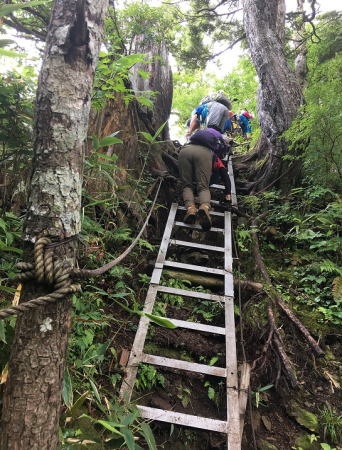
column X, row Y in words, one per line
column 204, row 220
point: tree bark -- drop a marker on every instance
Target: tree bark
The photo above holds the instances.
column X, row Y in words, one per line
column 301, row 66
column 279, row 91
column 32, row 397
column 160, row 80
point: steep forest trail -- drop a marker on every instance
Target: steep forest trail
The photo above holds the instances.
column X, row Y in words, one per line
column 220, row 265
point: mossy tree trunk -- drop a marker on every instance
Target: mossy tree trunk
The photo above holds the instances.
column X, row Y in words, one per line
column 280, row 94
column 32, row 396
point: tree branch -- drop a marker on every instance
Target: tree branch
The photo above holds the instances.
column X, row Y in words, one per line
column 227, row 48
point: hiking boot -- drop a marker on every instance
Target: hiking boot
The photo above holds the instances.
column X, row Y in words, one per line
column 227, row 201
column 190, row 215
column 204, row 218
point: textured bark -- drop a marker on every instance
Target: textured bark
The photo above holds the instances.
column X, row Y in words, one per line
column 132, row 118
column 160, row 80
column 279, row 91
column 32, row 396
column 301, row 66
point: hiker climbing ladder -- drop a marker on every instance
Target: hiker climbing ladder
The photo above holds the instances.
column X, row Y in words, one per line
column 230, row 426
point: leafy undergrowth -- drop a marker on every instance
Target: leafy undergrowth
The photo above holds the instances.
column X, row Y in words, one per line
column 301, row 246
column 300, row 242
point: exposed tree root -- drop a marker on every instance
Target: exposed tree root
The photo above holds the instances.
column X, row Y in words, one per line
column 274, row 339
column 279, row 344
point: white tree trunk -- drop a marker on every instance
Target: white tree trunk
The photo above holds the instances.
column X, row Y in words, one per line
column 32, row 397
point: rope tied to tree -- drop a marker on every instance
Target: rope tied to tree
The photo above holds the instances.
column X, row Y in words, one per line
column 59, row 275
column 44, row 270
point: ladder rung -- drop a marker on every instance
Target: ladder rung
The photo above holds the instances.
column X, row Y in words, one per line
column 213, row 248
column 195, row 268
column 197, row 326
column 217, row 186
column 183, row 365
column 198, row 227
column 194, row 294
column 212, row 213
column 187, row 420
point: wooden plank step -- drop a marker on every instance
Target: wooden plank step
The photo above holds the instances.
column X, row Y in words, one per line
column 194, row 294
column 212, row 248
column 183, row 365
column 186, row 420
column 194, row 268
column 197, row 326
column 212, row 213
column 198, row 227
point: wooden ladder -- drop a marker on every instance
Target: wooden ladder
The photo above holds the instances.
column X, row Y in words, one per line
column 230, row 426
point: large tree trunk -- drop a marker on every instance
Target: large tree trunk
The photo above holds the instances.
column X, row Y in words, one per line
column 32, row 397
column 301, row 66
column 133, row 118
column 160, row 80
column 279, row 92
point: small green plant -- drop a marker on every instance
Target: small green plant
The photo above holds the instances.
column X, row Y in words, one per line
column 331, row 424
column 212, row 393
column 115, row 425
column 184, row 394
column 148, row 377
column 260, row 396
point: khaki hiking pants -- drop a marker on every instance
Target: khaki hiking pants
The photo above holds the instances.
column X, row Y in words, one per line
column 195, row 168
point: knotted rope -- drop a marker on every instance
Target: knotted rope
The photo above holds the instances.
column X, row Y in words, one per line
column 44, row 270
column 59, row 275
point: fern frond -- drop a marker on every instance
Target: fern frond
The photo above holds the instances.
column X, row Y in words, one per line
column 329, row 266
column 337, row 288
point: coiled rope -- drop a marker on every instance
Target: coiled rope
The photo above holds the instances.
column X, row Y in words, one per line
column 60, row 275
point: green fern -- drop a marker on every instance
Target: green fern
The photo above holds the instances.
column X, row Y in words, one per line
column 337, row 288
column 329, row 266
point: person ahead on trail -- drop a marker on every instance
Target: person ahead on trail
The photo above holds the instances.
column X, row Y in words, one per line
column 197, row 161
column 245, row 124
column 211, row 113
column 228, row 126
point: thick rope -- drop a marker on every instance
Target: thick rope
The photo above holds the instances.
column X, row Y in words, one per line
column 46, row 270
column 43, row 270
column 84, row 273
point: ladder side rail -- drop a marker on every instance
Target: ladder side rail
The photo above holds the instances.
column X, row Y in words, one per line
column 232, row 181
column 233, row 416
column 140, row 337
column 137, row 347
column 156, row 275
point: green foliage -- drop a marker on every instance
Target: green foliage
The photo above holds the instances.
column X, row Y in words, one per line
column 148, row 377
column 16, row 111
column 318, row 129
column 242, row 84
column 111, row 79
column 331, row 424
column 184, row 395
column 152, row 24
column 188, row 89
column 302, row 232
column 260, row 396
column 116, row 426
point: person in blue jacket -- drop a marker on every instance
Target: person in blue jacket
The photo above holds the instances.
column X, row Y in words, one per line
column 244, row 120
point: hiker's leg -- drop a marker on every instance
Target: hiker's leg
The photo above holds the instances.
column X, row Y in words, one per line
column 203, row 170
